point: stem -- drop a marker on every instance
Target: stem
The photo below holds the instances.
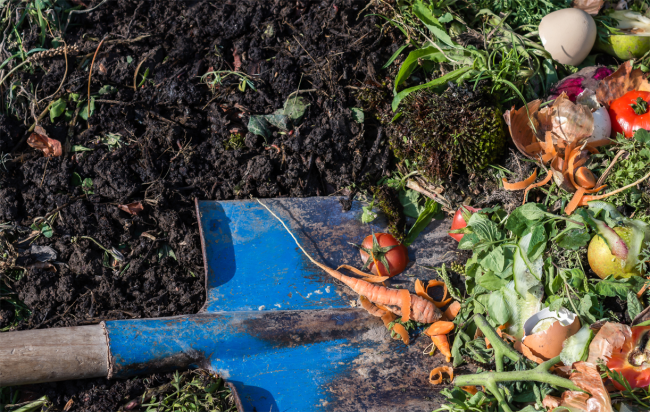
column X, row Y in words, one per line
column 501, row 349
column 491, row 379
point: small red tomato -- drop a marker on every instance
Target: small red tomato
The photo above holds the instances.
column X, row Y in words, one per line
column 631, row 360
column 629, row 113
column 460, row 220
column 386, row 250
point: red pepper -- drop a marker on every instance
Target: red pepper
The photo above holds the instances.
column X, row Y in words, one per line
column 630, row 112
column 633, row 359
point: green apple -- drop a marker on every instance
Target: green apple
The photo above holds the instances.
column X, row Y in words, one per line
column 604, row 263
column 625, row 46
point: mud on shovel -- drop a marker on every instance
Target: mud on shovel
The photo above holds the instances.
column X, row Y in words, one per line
column 283, row 333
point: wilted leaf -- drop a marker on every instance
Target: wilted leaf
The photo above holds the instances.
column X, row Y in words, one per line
column 357, row 115
column 39, row 140
column 166, row 251
column 590, row 6
column 107, row 89
column 43, row 266
column 78, row 148
column 278, row 120
column 258, row 125
column 83, row 112
column 623, row 80
column 295, row 108
column 42, row 253
column 57, row 109
column 132, row 208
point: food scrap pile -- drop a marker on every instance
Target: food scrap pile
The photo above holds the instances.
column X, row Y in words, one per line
column 554, row 311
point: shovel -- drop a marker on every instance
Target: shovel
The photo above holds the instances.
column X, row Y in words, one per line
column 284, row 334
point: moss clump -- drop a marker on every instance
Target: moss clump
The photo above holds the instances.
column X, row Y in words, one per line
column 387, row 199
column 459, row 129
column 235, row 141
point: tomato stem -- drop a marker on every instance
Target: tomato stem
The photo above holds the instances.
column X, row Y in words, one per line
column 640, row 107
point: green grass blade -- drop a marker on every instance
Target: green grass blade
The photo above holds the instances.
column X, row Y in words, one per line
column 394, row 56
column 440, row 81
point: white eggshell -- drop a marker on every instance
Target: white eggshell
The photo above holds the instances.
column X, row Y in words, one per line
column 568, row 35
column 602, row 126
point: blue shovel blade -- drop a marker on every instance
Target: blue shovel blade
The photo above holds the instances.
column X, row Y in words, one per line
column 287, row 335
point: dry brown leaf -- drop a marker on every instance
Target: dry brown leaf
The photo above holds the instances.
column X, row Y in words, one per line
column 588, row 379
column 520, row 126
column 590, row 6
column 132, row 208
column 39, row 140
column 610, row 337
column 43, row 266
column 623, row 80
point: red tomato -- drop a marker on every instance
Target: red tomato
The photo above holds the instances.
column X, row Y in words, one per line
column 459, row 222
column 397, row 257
column 634, row 350
column 625, row 119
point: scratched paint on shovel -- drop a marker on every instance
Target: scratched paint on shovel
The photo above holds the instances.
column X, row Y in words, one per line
column 254, row 263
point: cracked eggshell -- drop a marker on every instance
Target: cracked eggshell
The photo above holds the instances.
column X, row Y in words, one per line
column 568, row 35
column 547, row 344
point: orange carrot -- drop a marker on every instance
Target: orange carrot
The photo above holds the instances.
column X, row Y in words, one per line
column 442, row 344
column 452, row 311
column 439, row 328
column 439, row 371
column 640, row 292
column 421, row 310
column 399, row 328
column 388, row 317
column 520, row 185
column 370, row 307
column 442, row 304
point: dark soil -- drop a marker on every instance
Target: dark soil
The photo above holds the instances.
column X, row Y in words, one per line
column 180, row 141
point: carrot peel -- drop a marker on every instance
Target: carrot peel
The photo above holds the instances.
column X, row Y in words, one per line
column 438, row 372
column 522, row 184
column 421, row 291
column 405, row 297
column 399, row 328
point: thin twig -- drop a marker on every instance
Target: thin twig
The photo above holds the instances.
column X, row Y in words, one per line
column 301, row 91
column 80, row 12
column 602, row 178
column 90, row 74
column 65, row 74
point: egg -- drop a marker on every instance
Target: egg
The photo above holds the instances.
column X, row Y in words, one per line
column 546, row 331
column 602, row 127
column 568, row 35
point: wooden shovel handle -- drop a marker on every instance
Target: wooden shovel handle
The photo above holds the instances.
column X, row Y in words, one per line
column 48, row 355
